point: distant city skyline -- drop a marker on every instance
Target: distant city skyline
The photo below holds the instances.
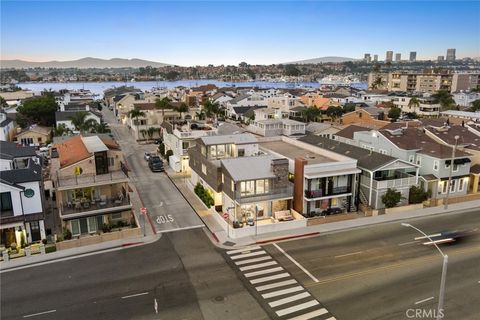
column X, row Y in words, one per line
column 202, row 33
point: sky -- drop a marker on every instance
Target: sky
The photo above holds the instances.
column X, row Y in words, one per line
column 227, row 32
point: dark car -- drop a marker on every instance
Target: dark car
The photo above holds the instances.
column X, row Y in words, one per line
column 330, row 211
column 155, row 164
column 445, row 237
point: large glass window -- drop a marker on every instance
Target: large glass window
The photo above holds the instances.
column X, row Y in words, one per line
column 75, row 226
column 221, row 151
column 254, row 187
column 6, row 201
column 247, row 188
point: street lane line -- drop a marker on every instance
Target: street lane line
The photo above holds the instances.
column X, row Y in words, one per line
column 260, row 265
column 409, row 242
column 298, row 307
column 38, row 314
column 348, row 254
column 424, row 300
column 296, row 297
column 269, row 278
column 426, row 237
column 247, row 255
column 135, row 295
column 313, row 314
column 296, row 263
column 282, row 292
column 242, row 250
column 276, row 285
column 266, row 271
column 242, row 262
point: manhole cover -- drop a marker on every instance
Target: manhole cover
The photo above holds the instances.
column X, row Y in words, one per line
column 219, row 299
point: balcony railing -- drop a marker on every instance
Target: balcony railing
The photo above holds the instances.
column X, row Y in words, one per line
column 311, row 194
column 398, row 181
column 73, row 207
column 277, row 193
column 87, row 179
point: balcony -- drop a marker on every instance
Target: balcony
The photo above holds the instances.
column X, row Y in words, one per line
column 319, row 193
column 275, row 194
column 67, row 182
column 95, row 206
column 399, row 180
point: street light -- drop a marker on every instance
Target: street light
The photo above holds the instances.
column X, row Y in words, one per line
column 441, row 296
column 450, row 173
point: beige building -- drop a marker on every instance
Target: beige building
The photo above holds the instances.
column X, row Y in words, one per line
column 34, row 136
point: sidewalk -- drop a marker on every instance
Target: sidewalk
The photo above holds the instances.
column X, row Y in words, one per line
column 225, row 242
column 94, row 248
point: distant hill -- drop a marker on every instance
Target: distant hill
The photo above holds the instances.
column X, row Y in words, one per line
column 82, row 63
column 322, row 60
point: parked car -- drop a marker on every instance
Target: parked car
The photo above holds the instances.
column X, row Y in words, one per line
column 158, row 141
column 147, row 155
column 155, row 164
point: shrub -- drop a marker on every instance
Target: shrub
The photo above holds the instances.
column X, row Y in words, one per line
column 161, row 149
column 22, row 240
column 168, row 154
column 106, row 228
column 44, row 241
column 417, row 195
column 67, row 234
column 391, row 198
column 50, row 249
column 121, row 224
column 204, row 195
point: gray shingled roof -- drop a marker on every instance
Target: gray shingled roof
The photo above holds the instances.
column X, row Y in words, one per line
column 11, row 150
column 238, row 98
column 12, row 177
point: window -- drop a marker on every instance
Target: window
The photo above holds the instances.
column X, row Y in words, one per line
column 6, row 201
column 75, row 227
column 116, row 216
column 411, row 158
column 419, row 160
column 260, row 187
column 111, row 161
column 461, row 185
column 443, row 186
column 39, row 139
column 452, row 185
column 223, row 178
column 204, row 169
column 383, row 151
column 241, row 152
column 221, row 151
column 247, row 188
column 232, row 185
column 455, row 167
column 435, row 165
column 213, row 151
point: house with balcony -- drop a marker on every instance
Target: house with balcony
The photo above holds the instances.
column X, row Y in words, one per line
column 91, row 184
column 274, row 122
column 22, row 218
column 323, row 180
column 426, row 106
column 378, row 172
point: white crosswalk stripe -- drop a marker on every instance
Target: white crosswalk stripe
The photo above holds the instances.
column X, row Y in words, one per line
column 284, row 295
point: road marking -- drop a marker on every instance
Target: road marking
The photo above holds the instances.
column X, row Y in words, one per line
column 38, row 314
column 298, row 307
column 239, row 263
column 247, row 255
column 269, row 278
column 135, row 295
column 282, row 292
column 296, row 297
column 348, row 254
column 276, row 285
column 266, row 271
column 256, row 266
column 242, row 250
column 313, row 314
column 424, row 300
column 409, row 242
column 296, row 263
column 426, row 237
column 180, row 229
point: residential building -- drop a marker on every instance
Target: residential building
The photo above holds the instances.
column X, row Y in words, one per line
column 389, row 56
column 451, row 54
column 64, row 118
column 274, row 122
column 413, row 56
column 7, row 127
column 457, row 116
column 378, row 172
column 34, row 136
column 16, row 98
column 322, row 179
column 371, row 117
column 426, row 107
column 91, row 184
column 21, row 197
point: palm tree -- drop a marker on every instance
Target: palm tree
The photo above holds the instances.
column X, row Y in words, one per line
column 143, row 132
column 211, row 109
column 163, row 104
column 183, row 107
column 200, row 115
column 414, row 102
column 136, row 113
column 377, row 83
column 61, row 130
column 311, row 113
column 101, row 127
column 81, row 123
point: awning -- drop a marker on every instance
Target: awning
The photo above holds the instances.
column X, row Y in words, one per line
column 331, row 173
column 11, row 225
column 457, row 161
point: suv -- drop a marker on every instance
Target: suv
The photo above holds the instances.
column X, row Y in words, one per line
column 155, row 164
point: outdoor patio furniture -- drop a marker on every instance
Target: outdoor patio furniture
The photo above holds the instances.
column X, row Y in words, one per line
column 78, row 205
column 118, row 202
column 69, row 204
column 86, row 205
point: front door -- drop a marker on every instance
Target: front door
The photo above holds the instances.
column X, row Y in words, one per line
column 35, row 231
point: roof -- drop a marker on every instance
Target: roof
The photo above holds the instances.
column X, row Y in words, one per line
column 462, row 114
column 467, row 139
column 429, row 177
column 292, row 152
column 226, row 128
column 350, row 130
column 72, row 151
column 374, row 111
column 366, row 159
column 242, row 138
column 406, row 124
column 94, row 144
column 241, row 110
column 167, row 126
column 238, row 98
column 5, row 122
column 33, row 172
column 11, row 150
column 475, row 169
column 67, row 115
column 38, row 129
column 298, row 109
column 144, row 105
column 249, row 168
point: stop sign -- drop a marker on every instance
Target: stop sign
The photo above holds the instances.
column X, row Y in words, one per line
column 143, row 210
column 225, row 216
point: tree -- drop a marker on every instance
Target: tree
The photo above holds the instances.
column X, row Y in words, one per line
column 211, row 108
column 378, row 82
column 394, row 113
column 311, row 113
column 143, row 132
column 291, row 70
column 200, row 115
column 444, row 98
column 136, row 113
column 101, row 127
column 334, row 112
column 475, row 105
column 81, row 123
column 37, row 110
column 349, row 107
column 417, row 195
column 61, row 130
column 414, row 102
column 391, row 198
column 3, row 103
column 182, row 108
column 163, row 104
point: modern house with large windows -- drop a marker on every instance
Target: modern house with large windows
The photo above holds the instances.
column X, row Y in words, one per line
column 21, row 195
column 91, row 184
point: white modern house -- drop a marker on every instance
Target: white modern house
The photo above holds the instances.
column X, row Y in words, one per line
column 274, row 122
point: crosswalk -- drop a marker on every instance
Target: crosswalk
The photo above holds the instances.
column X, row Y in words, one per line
column 287, row 298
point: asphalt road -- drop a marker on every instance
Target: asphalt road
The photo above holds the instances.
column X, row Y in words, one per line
column 380, row 272
column 182, row 270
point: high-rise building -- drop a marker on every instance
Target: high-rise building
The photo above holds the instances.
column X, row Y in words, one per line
column 398, row 57
column 367, row 58
column 451, row 54
column 441, row 58
column 389, row 56
column 413, row 56
column 375, row 57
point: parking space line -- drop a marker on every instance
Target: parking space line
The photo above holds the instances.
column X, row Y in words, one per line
column 296, row 263
column 348, row 254
column 135, row 295
column 424, row 300
column 39, row 313
column 296, row 297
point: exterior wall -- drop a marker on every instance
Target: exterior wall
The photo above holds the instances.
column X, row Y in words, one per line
column 7, row 132
column 37, row 138
column 19, row 201
column 213, row 171
column 298, row 186
column 363, row 118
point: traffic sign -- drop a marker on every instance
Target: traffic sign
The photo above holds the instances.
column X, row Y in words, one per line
column 225, row 216
column 143, row 210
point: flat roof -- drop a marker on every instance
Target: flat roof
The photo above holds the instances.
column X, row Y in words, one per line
column 241, row 138
column 291, row 151
column 94, row 144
